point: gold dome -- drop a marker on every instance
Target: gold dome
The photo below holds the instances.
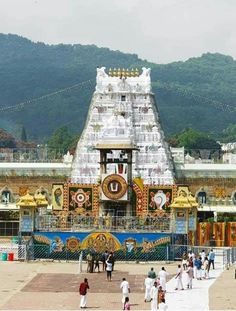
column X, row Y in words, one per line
column 41, row 200
column 181, row 202
column 26, row 201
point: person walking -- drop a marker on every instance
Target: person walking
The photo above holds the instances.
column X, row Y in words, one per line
column 198, row 266
column 83, row 288
column 179, row 283
column 109, row 269
column 124, row 286
column 154, row 294
column 152, row 274
column 89, row 262
column 104, row 259
column 112, row 259
column 206, row 268
column 211, row 258
column 96, row 262
column 148, row 282
column 160, row 295
column 203, row 255
column 162, row 275
column 189, row 272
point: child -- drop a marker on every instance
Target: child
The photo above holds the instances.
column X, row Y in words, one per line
column 126, row 304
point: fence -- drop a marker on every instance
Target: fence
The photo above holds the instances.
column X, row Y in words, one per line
column 29, row 251
column 111, row 223
column 224, row 256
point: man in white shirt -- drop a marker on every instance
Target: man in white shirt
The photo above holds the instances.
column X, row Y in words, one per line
column 154, row 294
column 148, row 285
column 125, row 289
column 162, row 275
column 179, row 283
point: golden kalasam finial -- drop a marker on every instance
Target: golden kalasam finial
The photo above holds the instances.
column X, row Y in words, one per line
column 118, row 72
column 132, row 72
column 127, row 72
column 110, row 72
column 136, row 72
column 123, row 72
column 114, row 74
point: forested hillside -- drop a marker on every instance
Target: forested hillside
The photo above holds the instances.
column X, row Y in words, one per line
column 199, row 93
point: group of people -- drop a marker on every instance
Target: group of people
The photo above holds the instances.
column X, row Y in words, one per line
column 155, row 289
column 197, row 267
column 107, row 259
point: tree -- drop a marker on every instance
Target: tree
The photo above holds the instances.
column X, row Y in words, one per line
column 61, row 139
column 23, row 134
column 192, row 139
column 229, row 134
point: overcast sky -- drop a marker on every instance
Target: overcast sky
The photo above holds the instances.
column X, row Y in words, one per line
column 157, row 30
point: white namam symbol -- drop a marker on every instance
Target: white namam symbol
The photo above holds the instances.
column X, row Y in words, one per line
column 114, row 186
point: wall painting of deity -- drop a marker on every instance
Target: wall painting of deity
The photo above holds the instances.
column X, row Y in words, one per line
column 57, row 196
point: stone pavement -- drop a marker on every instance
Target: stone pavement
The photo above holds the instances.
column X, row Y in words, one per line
column 54, row 286
column 196, row 298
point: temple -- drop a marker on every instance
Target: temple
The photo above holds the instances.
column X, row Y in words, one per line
column 124, row 189
column 122, row 142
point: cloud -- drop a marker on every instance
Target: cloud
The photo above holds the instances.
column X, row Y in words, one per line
column 158, row 30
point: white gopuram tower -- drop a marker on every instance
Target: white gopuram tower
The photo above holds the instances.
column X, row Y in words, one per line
column 122, row 142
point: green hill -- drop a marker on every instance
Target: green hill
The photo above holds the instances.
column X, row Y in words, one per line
column 198, row 93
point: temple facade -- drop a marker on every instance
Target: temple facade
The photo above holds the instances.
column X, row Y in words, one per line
column 122, row 147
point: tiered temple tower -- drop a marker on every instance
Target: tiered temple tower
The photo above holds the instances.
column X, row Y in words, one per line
column 122, row 149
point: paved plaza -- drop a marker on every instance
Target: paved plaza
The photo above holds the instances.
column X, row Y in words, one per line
column 54, row 286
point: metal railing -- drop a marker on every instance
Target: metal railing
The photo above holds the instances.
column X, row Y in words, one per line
column 112, row 223
column 38, row 154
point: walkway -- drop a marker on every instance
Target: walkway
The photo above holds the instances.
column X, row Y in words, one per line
column 196, row 298
column 54, row 286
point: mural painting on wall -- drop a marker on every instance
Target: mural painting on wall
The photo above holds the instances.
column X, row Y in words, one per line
column 204, row 233
column 99, row 242
column 150, row 246
column 130, row 245
column 231, row 234
column 159, row 198
column 57, row 245
column 80, row 199
column 119, row 243
column 219, row 232
column 57, row 196
column 73, row 244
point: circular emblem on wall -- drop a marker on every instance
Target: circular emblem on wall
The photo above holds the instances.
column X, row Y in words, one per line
column 114, row 187
column 73, row 244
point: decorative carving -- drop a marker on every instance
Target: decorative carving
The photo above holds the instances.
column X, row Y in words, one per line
column 114, row 187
